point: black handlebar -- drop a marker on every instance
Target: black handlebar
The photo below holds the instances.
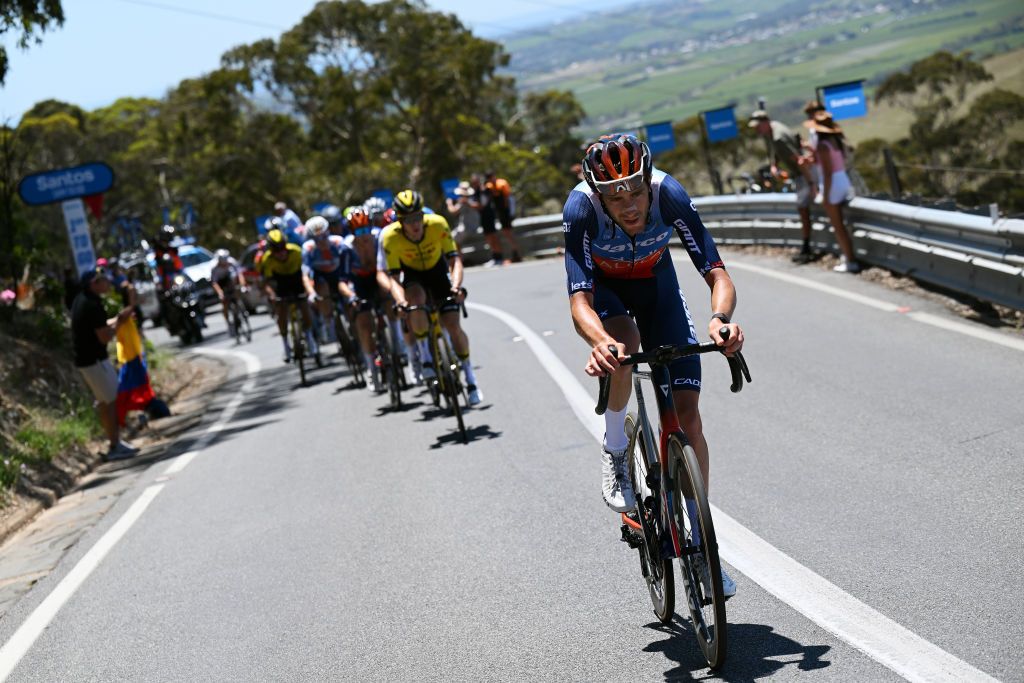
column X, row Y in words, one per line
column 663, row 355
column 427, row 307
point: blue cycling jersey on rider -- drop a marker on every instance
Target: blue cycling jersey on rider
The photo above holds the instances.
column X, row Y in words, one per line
column 635, row 276
column 329, row 260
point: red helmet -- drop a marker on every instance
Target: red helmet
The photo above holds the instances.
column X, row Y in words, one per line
column 390, row 216
column 617, row 163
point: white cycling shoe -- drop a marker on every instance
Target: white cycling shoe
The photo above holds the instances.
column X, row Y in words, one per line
column 615, row 485
column 728, row 585
column 475, row 395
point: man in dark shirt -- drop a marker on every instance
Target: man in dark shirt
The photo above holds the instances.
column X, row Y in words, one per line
column 91, row 331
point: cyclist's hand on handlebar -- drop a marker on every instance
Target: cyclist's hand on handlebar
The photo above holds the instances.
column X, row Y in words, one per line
column 313, row 298
column 602, row 361
column 400, row 308
column 733, row 341
column 458, row 294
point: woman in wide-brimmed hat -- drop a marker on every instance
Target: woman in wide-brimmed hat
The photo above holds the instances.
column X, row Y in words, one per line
column 836, row 189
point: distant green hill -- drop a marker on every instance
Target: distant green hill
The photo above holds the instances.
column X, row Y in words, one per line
column 669, row 60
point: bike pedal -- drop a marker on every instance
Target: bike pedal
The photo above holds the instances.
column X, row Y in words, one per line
column 630, row 538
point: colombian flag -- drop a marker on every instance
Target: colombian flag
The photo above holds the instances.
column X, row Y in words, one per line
column 133, row 389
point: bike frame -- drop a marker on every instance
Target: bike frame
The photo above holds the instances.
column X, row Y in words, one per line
column 659, row 375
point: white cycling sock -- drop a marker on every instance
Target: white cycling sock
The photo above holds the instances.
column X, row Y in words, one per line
column 615, row 430
column 369, row 361
column 467, row 367
column 287, row 346
column 311, row 340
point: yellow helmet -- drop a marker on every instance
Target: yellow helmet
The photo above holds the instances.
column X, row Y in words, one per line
column 276, row 238
column 407, row 201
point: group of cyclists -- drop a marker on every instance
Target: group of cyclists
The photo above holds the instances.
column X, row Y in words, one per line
column 622, row 286
column 364, row 259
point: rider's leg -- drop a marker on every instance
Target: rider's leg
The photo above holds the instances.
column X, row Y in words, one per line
column 323, row 307
column 282, row 326
column 460, row 342
column 364, row 328
column 624, row 330
column 689, row 419
column 307, row 326
column 419, row 322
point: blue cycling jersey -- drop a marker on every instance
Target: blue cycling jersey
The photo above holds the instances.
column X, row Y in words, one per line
column 595, row 246
column 332, row 256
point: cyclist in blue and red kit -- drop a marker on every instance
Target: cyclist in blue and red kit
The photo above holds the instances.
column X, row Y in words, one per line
column 623, row 290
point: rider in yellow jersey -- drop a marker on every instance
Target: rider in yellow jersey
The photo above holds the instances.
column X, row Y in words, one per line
column 419, row 248
column 282, row 272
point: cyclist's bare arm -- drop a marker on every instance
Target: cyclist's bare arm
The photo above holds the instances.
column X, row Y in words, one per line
column 397, row 291
column 455, row 270
column 723, row 300
column 589, row 326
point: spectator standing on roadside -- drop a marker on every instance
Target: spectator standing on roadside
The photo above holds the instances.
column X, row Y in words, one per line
column 294, row 229
column 91, row 331
column 465, row 208
column 784, row 149
column 835, row 183
column 497, row 207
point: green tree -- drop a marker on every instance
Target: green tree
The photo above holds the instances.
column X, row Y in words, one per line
column 31, row 18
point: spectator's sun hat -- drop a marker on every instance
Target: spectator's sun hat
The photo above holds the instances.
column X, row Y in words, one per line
column 813, row 107
column 757, row 116
column 464, row 189
column 823, row 123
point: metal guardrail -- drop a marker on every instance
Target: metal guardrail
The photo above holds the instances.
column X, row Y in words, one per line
column 964, row 253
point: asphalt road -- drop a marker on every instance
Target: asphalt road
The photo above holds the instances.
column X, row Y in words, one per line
column 320, row 536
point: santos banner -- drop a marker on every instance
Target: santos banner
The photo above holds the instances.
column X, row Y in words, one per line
column 720, row 124
column 845, row 100
column 660, row 137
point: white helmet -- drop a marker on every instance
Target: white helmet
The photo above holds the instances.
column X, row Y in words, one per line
column 374, row 207
column 223, row 254
column 317, row 227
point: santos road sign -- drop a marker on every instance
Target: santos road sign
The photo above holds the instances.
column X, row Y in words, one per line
column 62, row 184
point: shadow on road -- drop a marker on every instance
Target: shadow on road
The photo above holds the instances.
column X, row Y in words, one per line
column 473, row 433
column 755, row 652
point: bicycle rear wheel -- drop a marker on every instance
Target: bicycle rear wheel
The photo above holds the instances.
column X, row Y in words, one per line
column 657, row 570
column 705, row 597
column 451, row 391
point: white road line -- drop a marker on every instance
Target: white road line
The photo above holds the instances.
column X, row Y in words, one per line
column 27, row 634
column 252, row 368
column 824, row 603
column 919, row 316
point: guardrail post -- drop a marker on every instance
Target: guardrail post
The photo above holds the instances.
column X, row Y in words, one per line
column 894, row 176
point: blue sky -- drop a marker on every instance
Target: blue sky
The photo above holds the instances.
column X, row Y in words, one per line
column 137, row 48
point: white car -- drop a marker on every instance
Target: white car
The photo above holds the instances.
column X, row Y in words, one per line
column 198, row 264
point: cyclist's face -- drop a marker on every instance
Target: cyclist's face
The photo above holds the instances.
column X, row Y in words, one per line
column 629, row 209
column 412, row 225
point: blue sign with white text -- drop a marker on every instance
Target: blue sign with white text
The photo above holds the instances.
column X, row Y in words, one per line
column 660, row 137
column 720, row 124
column 448, row 186
column 65, row 183
column 846, row 100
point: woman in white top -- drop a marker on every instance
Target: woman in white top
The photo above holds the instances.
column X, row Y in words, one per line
column 836, row 190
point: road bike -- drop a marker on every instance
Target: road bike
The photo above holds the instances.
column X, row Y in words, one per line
column 672, row 517
column 239, row 318
column 300, row 351
column 388, row 356
column 448, row 383
column 348, row 342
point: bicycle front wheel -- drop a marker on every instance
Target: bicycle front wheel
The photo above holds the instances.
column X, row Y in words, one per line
column 699, row 562
column 656, row 569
